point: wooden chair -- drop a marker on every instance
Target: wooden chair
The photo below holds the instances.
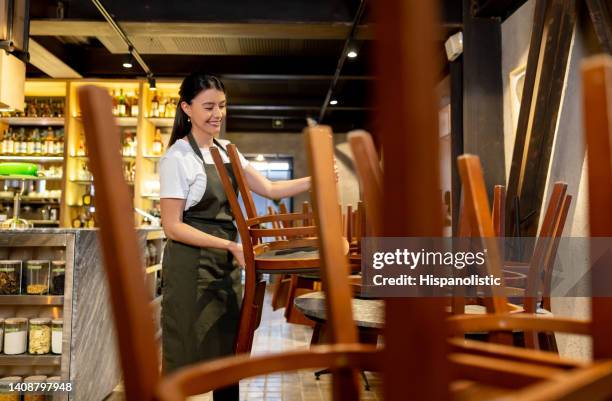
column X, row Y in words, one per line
column 298, row 253
column 123, row 264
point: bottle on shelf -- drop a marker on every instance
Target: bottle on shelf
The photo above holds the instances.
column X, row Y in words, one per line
column 87, row 197
column 81, row 151
column 115, row 99
column 23, row 144
column 158, row 147
column 6, row 141
column 162, row 105
column 58, row 148
column 29, row 143
column 10, row 142
column 155, row 106
column 134, row 110
column 33, row 111
column 121, row 104
column 38, row 143
column 48, row 144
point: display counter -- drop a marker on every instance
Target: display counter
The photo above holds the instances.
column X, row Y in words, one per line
column 57, row 276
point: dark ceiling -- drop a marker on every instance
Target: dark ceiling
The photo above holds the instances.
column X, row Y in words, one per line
column 277, row 57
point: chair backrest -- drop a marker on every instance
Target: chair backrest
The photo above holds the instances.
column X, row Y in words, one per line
column 477, row 211
column 371, row 177
column 243, row 185
column 597, row 109
column 120, row 247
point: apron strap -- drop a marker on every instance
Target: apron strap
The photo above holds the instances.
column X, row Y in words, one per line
column 196, row 148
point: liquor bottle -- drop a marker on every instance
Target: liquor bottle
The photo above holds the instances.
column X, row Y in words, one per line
column 59, row 111
column 115, row 103
column 10, row 142
column 162, row 105
column 155, row 106
column 77, row 222
column 87, row 197
column 59, row 142
column 23, row 144
column 122, row 106
column 38, row 143
column 81, row 149
column 45, row 109
column 30, row 143
column 4, row 144
column 158, row 147
column 134, row 105
column 133, row 145
column 48, row 147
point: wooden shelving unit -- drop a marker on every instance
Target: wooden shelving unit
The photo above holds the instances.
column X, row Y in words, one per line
column 35, row 121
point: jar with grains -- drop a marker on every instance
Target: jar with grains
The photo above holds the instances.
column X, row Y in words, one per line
column 6, row 384
column 15, row 335
column 10, row 277
column 37, row 274
column 40, row 336
column 34, row 395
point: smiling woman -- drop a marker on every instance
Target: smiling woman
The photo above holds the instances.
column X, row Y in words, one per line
column 201, row 266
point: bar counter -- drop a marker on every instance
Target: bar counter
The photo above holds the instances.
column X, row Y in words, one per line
column 89, row 355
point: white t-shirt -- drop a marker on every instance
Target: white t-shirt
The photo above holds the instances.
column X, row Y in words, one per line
column 181, row 174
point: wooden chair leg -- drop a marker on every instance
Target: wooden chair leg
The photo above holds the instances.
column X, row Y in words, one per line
column 292, row 314
column 282, row 283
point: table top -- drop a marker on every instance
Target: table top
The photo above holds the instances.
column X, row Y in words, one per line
column 366, row 312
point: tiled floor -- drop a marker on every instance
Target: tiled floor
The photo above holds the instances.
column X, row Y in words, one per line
column 275, row 335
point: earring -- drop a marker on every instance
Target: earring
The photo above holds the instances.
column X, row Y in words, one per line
column 188, row 119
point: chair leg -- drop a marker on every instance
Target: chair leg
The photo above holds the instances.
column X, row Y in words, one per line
column 282, row 283
column 298, row 287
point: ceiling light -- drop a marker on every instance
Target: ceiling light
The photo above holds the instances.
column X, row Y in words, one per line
column 333, row 102
column 351, row 54
column 129, row 59
column 277, row 123
column 152, row 85
column 127, row 63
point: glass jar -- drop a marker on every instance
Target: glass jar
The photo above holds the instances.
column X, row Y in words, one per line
column 54, row 381
column 15, row 335
column 57, row 330
column 34, row 395
column 37, row 273
column 6, row 383
column 58, row 277
column 40, row 336
column 10, row 277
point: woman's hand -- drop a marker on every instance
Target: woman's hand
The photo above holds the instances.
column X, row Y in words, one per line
column 236, row 250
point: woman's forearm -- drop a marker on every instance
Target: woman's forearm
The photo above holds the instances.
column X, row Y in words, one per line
column 186, row 234
column 285, row 189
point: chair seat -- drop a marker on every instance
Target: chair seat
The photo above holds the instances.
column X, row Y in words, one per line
column 306, row 252
column 288, row 260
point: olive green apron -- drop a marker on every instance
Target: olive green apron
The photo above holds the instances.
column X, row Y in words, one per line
column 202, row 291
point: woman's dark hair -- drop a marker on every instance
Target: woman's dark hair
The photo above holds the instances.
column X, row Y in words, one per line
column 190, row 88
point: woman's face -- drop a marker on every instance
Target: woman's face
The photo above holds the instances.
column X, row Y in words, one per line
column 207, row 111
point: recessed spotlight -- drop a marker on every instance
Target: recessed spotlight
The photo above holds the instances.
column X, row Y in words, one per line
column 333, row 102
column 127, row 64
column 351, row 54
